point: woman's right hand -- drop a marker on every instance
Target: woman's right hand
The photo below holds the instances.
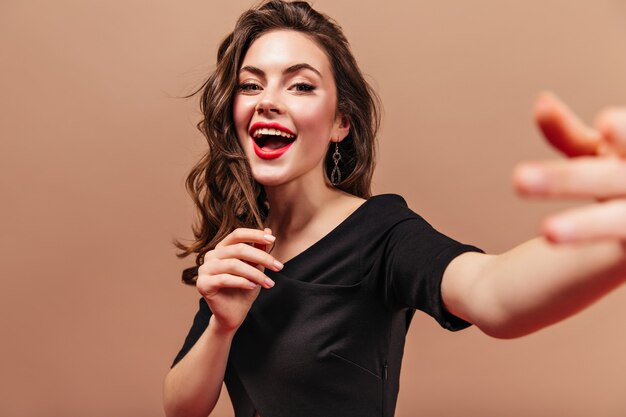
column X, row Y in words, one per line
column 231, row 276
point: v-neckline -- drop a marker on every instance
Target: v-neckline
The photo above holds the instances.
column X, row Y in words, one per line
column 341, row 225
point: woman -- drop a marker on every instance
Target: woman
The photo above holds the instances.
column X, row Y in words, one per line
column 308, row 282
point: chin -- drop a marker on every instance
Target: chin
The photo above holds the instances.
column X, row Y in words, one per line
column 268, row 179
column 272, row 182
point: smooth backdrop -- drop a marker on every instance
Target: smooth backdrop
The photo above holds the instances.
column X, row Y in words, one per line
column 95, row 145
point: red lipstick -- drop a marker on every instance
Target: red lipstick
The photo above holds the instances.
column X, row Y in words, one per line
column 269, row 153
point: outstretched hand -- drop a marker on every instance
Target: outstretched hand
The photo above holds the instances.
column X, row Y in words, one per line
column 596, row 169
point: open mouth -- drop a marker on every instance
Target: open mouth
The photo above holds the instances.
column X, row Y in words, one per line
column 269, row 139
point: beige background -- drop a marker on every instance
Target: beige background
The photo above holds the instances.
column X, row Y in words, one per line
column 95, row 147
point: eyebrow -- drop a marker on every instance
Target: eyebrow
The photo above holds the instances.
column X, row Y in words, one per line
column 288, row 70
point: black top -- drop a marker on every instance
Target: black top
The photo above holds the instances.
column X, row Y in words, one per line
column 327, row 339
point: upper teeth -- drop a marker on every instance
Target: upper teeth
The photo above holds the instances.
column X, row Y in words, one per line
column 268, row 131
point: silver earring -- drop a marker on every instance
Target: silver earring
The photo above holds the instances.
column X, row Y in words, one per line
column 335, row 175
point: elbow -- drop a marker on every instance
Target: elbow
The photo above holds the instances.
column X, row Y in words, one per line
column 171, row 407
column 496, row 319
column 505, row 326
column 178, row 403
column 502, row 332
column 510, row 321
column 174, row 408
column 496, row 316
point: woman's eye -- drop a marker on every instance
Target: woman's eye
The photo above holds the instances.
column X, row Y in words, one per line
column 303, row 87
column 248, row 87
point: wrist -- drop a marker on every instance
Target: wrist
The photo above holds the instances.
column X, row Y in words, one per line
column 216, row 328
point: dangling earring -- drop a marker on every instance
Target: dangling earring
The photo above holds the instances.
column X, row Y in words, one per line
column 335, row 175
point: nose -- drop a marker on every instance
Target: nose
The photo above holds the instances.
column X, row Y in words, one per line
column 269, row 103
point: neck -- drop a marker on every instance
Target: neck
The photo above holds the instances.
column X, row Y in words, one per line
column 294, row 205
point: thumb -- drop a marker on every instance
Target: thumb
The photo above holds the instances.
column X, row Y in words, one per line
column 563, row 129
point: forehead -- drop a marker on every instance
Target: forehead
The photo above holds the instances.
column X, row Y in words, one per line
column 283, row 48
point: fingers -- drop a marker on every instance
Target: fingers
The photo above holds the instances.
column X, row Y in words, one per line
column 595, row 222
column 254, row 255
column 611, row 123
column 585, row 177
column 563, row 129
column 233, row 246
column 208, row 287
column 265, row 246
column 234, row 263
column 232, row 266
column 243, row 235
column 603, row 178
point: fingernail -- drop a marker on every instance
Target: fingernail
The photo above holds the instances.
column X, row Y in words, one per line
column 562, row 230
column 269, row 238
column 269, row 282
column 278, row 264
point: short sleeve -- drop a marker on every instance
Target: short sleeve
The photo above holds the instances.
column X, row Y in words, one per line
column 416, row 257
column 200, row 323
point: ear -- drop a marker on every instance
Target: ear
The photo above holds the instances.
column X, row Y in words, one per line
column 341, row 128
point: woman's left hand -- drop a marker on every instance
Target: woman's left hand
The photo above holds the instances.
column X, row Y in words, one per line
column 596, row 169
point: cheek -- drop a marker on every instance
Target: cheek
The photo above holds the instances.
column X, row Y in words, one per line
column 316, row 118
column 243, row 109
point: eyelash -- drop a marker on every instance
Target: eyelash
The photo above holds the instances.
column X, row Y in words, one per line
column 300, row 87
column 307, row 88
column 247, row 87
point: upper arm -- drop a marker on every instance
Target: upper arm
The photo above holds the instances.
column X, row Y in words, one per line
column 459, row 285
column 416, row 256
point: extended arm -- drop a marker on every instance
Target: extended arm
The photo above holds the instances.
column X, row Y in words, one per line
column 531, row 286
column 582, row 254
